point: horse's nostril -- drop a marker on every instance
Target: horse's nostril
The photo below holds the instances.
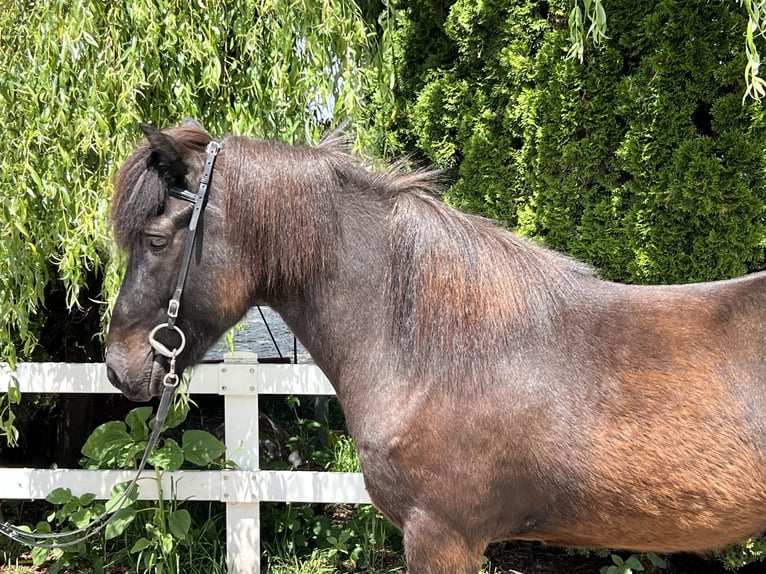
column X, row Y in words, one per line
column 113, row 377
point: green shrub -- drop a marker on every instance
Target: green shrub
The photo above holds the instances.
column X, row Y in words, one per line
column 643, row 160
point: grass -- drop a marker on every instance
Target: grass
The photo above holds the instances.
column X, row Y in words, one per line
column 319, row 562
column 313, row 564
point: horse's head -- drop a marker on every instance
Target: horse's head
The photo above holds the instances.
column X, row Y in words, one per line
column 152, row 214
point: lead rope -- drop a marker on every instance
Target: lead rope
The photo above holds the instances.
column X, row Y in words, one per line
column 54, row 540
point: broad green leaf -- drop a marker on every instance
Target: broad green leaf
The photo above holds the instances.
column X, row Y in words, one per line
column 39, row 556
column 169, row 457
column 119, row 521
column 86, row 499
column 657, row 561
column 80, row 517
column 201, row 448
column 179, row 523
column 141, row 544
column 117, row 495
column 59, row 496
column 110, row 433
column 41, row 528
column 137, row 421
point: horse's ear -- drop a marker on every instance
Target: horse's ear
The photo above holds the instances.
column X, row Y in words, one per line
column 166, row 152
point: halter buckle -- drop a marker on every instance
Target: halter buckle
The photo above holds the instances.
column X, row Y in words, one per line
column 173, row 307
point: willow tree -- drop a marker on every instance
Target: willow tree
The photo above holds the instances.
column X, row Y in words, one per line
column 75, row 80
column 77, row 77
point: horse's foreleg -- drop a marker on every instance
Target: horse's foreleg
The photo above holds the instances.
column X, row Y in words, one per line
column 432, row 547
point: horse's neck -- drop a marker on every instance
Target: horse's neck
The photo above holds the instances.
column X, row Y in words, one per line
column 341, row 318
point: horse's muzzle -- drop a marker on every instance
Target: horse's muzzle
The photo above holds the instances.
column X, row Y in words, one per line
column 141, row 386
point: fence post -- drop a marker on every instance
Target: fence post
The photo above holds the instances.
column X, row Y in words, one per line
column 237, row 384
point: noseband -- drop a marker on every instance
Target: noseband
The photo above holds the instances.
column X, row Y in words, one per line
column 199, row 200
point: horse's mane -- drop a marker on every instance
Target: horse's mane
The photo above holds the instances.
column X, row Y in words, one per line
column 462, row 288
column 459, row 286
column 281, row 209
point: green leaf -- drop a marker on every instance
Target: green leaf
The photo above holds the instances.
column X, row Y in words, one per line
column 119, row 521
column 201, row 448
column 105, row 439
column 80, row 517
column 137, row 420
column 86, row 499
column 169, row 457
column 179, row 523
column 14, row 393
column 141, row 544
column 41, row 528
column 166, row 543
column 39, row 556
column 657, row 561
column 176, row 415
column 117, row 492
column 59, row 496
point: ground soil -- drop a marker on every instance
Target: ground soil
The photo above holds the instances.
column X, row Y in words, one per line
column 534, row 558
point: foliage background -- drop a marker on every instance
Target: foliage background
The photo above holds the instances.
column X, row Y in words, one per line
column 77, row 77
column 643, row 161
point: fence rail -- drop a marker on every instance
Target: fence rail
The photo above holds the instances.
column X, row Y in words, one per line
column 240, row 380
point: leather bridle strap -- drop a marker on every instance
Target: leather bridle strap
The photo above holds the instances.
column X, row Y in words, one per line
column 199, row 200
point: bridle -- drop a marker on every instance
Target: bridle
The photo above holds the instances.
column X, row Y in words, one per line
column 199, row 200
column 170, row 380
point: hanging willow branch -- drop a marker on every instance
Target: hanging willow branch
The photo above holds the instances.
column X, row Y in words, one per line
column 592, row 13
column 756, row 28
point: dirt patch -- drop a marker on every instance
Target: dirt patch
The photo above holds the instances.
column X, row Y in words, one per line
column 535, row 558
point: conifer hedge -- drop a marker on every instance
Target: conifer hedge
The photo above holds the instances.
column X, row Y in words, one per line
column 644, row 160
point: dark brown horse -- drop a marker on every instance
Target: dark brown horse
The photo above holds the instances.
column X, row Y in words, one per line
column 495, row 389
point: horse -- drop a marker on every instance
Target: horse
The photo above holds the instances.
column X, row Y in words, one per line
column 495, row 389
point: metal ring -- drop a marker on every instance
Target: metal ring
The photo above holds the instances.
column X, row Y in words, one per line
column 162, row 349
column 171, row 380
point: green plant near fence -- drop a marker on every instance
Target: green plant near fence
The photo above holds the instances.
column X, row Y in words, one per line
column 173, row 536
column 164, row 536
column 147, row 536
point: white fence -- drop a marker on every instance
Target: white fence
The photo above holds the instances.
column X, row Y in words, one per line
column 242, row 489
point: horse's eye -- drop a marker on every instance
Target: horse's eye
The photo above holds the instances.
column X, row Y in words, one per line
column 157, row 243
